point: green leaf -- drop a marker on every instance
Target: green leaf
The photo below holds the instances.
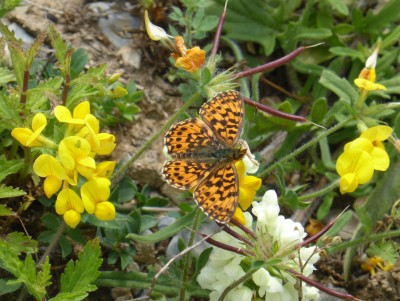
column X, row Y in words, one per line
column 338, row 226
column 313, row 34
column 10, row 192
column 79, row 275
column 166, row 232
column 340, row 6
column 344, row 51
column 77, row 296
column 319, row 110
column 340, row 86
column 6, row 76
column 4, row 211
column 387, row 14
column 325, row 207
column 8, row 167
column 78, row 62
column 6, row 287
column 18, row 243
column 382, row 198
column 254, row 20
column 39, row 96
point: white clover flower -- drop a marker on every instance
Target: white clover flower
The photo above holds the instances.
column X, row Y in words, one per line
column 277, row 238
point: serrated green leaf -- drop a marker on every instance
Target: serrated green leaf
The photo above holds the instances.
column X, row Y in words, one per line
column 8, row 167
column 69, row 296
column 4, row 211
column 79, row 276
column 39, row 96
column 340, row 86
column 18, row 243
column 6, row 76
column 10, row 192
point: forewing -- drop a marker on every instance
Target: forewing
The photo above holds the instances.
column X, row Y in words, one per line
column 218, row 194
column 224, row 115
column 184, row 174
column 188, row 135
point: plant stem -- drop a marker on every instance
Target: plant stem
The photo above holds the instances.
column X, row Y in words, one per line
column 236, row 283
column 305, row 146
column 53, row 243
column 157, row 135
column 361, row 240
column 320, row 192
column 186, row 265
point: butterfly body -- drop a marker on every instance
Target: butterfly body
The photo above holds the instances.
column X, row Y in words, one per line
column 204, row 151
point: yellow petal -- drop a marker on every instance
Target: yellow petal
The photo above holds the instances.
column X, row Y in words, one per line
column 72, row 218
column 46, row 165
column 93, row 192
column 360, row 144
column 240, row 168
column 82, row 110
column 239, row 216
column 380, row 159
column 64, row 115
column 193, row 60
column 39, row 122
column 377, row 133
column 246, row 197
column 348, row 183
column 68, row 199
column 105, row 169
column 105, row 211
column 368, row 85
column 119, row 92
column 51, row 185
column 22, row 135
column 106, row 144
column 358, row 162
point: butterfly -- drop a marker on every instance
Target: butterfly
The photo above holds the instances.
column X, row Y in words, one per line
column 203, row 153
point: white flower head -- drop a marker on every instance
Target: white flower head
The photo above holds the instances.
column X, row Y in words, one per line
column 249, row 160
column 277, row 238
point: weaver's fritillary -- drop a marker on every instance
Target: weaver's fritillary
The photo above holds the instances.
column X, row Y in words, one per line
column 204, row 152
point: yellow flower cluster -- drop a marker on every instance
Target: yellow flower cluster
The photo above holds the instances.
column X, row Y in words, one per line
column 361, row 157
column 74, row 157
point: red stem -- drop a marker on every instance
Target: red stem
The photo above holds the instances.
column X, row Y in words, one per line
column 66, row 89
column 226, row 247
column 218, row 33
column 321, row 287
column 271, row 65
column 274, row 112
column 237, row 235
column 243, row 228
column 24, row 87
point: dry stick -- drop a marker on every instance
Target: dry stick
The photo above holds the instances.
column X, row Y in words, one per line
column 229, row 248
column 321, row 287
column 164, row 268
column 218, row 32
column 236, row 235
column 66, row 89
column 243, row 228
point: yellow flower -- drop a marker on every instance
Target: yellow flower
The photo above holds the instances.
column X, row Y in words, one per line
column 355, row 167
column 75, row 153
column 28, row 137
column 366, row 78
column 239, row 216
column 48, row 167
column 372, row 263
column 248, row 186
column 119, row 92
column 188, row 59
column 155, row 33
column 101, row 143
column 105, row 169
column 95, row 194
column 77, row 119
column 361, row 157
column 69, row 204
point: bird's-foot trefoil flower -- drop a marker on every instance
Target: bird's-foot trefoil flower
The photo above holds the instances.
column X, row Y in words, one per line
column 95, row 194
column 361, row 157
column 50, row 168
column 70, row 205
column 33, row 137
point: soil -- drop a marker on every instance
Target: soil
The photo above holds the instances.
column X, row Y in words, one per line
column 145, row 62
